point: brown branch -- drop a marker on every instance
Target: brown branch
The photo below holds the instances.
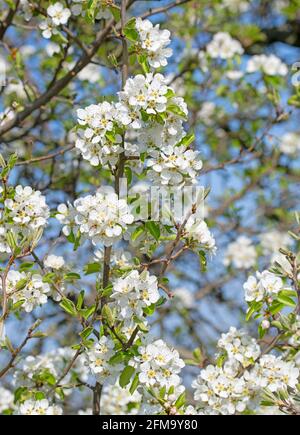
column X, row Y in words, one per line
column 47, row 157
column 4, row 25
column 162, row 9
column 17, row 351
column 59, row 85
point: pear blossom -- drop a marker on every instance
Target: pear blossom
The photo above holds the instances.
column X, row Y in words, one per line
column 197, row 230
column 241, row 253
column 97, row 360
column 102, row 217
column 264, row 285
column 290, row 143
column 39, row 407
column 6, row 399
column 224, row 46
column 268, row 64
column 28, row 208
column 154, row 42
column 32, row 294
column 159, row 365
column 54, row 261
column 134, row 292
column 173, row 165
column 58, row 13
column 239, row 346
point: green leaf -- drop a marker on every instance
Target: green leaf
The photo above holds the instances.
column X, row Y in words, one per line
column 198, row 354
column 131, row 34
column 108, row 315
column 126, row 375
column 203, row 260
column 92, row 268
column 87, row 312
column 80, row 300
column 86, row 332
column 71, row 276
column 131, row 24
column 180, row 402
column 176, row 109
column 68, row 306
column 128, row 173
column 39, row 395
column 26, row 266
column 187, row 140
column 137, row 233
column 134, row 384
column 19, row 393
column 153, row 228
column 276, row 307
column 286, row 300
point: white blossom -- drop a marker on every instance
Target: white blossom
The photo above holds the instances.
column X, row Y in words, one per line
column 268, row 64
column 32, row 294
column 241, row 253
column 264, row 285
column 197, row 230
column 290, row 143
column 54, row 261
column 154, row 41
column 6, row 399
column 58, row 13
column 159, row 365
column 134, row 292
column 28, row 209
column 39, row 407
column 97, row 359
column 102, row 217
column 224, row 46
column 239, row 346
column 173, row 165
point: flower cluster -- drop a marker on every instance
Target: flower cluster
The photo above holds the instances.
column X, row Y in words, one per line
column 239, row 346
column 269, row 64
column 159, row 365
column 133, row 293
column 290, row 143
column 273, row 240
column 6, row 399
column 57, row 15
column 264, row 285
column 147, row 118
column 219, row 390
column 154, row 42
column 119, row 401
column 273, row 373
column 101, row 217
column 223, row 46
column 197, row 231
column 229, row 388
column 94, row 141
column 39, row 407
column 241, row 253
column 25, row 214
column 171, row 166
column 42, row 369
column 27, row 289
column 97, row 359
column 54, row 262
